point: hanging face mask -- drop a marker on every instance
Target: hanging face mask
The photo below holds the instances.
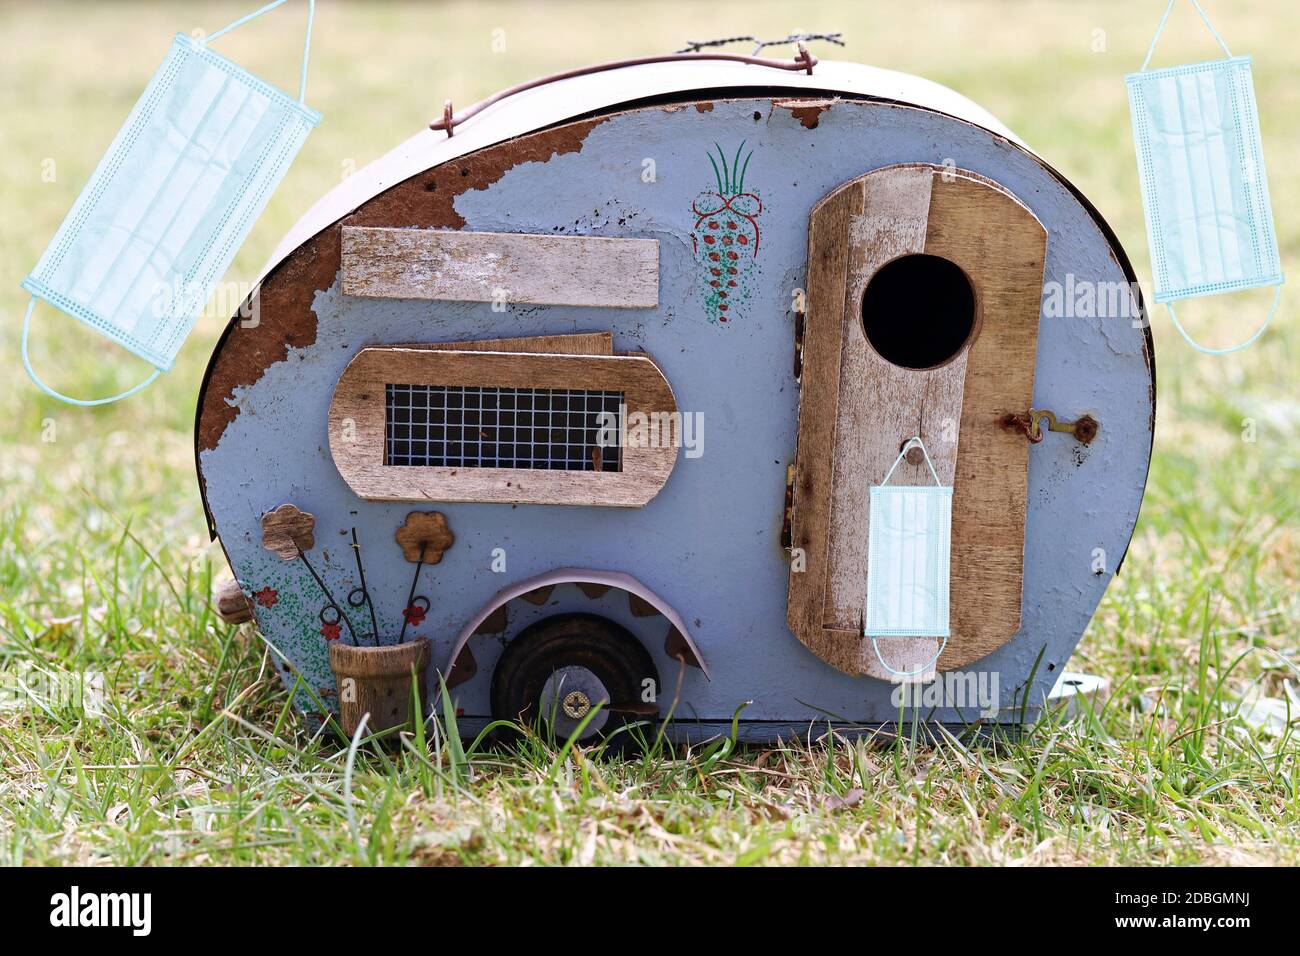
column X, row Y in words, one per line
column 1204, row 192
column 170, row 203
column 909, row 553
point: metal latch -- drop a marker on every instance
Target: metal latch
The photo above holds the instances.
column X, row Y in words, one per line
column 1030, row 424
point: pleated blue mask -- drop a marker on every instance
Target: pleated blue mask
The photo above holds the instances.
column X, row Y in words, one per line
column 170, row 203
column 1204, row 190
column 909, row 557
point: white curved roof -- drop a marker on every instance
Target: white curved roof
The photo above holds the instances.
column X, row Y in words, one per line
column 553, row 103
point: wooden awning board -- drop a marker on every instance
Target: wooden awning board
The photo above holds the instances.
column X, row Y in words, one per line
column 505, row 267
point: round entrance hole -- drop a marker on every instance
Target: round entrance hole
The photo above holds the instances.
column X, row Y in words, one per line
column 918, row 311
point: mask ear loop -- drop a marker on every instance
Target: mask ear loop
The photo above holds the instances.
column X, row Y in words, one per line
column 31, row 373
column 306, row 46
column 1161, row 29
column 917, row 672
column 923, row 669
column 907, row 446
column 1277, row 297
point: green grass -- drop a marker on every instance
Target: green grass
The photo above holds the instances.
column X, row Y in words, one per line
column 195, row 758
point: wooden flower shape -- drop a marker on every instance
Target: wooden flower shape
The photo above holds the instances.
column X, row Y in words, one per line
column 286, row 531
column 427, row 529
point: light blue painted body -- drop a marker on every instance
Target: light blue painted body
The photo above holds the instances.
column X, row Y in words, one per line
column 709, row 543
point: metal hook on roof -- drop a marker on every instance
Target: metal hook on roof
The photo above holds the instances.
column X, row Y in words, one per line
column 804, row 62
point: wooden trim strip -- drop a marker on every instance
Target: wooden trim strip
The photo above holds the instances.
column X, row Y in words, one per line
column 510, row 267
column 573, row 343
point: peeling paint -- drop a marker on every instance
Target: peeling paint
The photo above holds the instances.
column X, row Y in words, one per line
column 287, row 316
column 807, row 112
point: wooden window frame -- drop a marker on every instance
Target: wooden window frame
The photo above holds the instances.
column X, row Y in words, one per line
column 357, row 420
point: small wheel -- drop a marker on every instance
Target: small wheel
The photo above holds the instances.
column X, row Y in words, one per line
column 559, row 669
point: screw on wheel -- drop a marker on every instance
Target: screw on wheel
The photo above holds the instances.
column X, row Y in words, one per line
column 573, row 668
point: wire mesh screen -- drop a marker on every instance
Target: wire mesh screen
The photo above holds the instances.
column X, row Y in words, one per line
column 470, row 427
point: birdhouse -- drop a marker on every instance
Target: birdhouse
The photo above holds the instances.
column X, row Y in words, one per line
column 586, row 390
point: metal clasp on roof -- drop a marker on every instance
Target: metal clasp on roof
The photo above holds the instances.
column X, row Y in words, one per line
column 803, row 62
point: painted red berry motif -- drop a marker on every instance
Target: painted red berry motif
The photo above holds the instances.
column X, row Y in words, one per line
column 726, row 219
column 267, row 597
column 331, row 632
column 414, row 614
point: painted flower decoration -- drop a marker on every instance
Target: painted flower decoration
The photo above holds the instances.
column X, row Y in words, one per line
column 267, row 597
column 427, row 530
column 331, row 632
column 414, row 615
column 726, row 236
column 288, row 532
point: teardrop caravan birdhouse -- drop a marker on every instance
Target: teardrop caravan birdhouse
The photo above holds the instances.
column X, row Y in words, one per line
column 657, row 388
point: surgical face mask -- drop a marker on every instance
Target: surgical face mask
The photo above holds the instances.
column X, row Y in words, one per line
column 1204, row 191
column 909, row 555
column 170, row 203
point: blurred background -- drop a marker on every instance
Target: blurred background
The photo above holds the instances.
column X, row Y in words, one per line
column 1219, row 514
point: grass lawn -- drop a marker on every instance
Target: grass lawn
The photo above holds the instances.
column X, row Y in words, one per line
column 105, row 565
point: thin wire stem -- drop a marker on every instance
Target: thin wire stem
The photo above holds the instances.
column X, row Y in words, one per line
column 343, row 615
column 361, row 573
column 406, row 620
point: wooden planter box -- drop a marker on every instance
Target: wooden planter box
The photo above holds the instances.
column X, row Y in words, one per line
column 377, row 681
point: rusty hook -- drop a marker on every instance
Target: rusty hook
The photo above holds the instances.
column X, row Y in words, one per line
column 1084, row 429
column 1027, row 425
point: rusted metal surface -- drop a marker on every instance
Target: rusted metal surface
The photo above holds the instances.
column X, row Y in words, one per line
column 286, row 317
column 538, row 596
column 1022, row 423
column 1085, row 429
column 807, row 112
column 463, row 668
column 676, row 647
column 494, row 623
column 640, row 606
column 1030, row 424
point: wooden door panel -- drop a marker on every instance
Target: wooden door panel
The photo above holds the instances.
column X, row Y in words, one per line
column 857, row 409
